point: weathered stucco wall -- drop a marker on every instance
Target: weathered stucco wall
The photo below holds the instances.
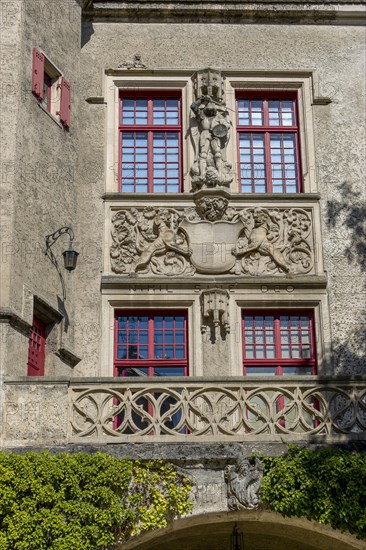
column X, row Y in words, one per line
column 55, row 178
column 337, row 56
column 40, row 176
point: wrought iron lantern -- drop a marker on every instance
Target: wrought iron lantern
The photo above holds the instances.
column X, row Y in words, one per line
column 237, row 539
column 70, row 258
column 70, row 255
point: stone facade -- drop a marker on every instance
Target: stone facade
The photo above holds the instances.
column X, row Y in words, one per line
column 210, row 249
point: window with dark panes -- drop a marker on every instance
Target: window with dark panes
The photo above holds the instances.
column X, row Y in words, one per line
column 268, row 143
column 278, row 343
column 36, row 348
column 151, row 344
column 150, row 142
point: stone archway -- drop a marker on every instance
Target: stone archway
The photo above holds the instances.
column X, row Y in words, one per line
column 263, row 530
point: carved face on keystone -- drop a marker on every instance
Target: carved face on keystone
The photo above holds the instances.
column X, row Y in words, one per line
column 212, row 209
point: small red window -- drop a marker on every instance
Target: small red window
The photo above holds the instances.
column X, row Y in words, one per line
column 151, row 344
column 36, row 350
column 278, row 343
column 268, row 143
column 150, row 142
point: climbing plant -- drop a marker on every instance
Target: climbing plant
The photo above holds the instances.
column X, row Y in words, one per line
column 328, row 486
column 84, row 502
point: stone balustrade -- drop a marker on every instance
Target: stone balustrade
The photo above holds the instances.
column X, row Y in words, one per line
column 115, row 410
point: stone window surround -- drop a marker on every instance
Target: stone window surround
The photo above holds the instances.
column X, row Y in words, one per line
column 241, row 299
column 304, row 82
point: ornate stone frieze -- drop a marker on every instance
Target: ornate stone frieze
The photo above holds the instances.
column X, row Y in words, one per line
column 215, row 307
column 212, row 238
column 243, row 483
column 210, row 133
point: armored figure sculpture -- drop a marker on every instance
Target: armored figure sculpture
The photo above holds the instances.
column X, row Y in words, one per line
column 243, row 483
column 211, row 136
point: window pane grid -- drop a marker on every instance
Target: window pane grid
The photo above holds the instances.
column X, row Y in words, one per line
column 150, row 157
column 150, row 339
column 273, row 341
column 268, row 146
column 166, row 162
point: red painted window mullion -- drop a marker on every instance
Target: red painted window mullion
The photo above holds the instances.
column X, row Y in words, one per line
column 277, row 337
column 150, row 161
column 289, row 332
column 268, row 162
column 300, row 334
column 150, row 338
column 185, row 348
column 115, row 345
column 312, row 334
column 252, row 165
column 298, row 162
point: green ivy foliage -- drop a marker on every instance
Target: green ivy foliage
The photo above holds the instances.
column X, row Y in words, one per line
column 328, row 486
column 84, row 502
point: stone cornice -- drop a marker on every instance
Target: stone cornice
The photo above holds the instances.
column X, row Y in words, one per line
column 118, row 282
column 292, row 198
column 232, row 11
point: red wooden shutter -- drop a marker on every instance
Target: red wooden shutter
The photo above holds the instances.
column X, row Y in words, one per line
column 38, row 73
column 65, row 108
column 36, row 350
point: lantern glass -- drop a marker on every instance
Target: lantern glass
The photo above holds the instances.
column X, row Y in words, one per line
column 70, row 259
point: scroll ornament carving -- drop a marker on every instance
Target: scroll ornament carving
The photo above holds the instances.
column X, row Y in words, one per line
column 212, row 238
column 243, row 483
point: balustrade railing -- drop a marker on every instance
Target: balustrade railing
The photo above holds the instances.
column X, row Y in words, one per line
column 215, row 410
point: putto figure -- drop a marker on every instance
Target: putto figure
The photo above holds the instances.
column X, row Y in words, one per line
column 243, row 483
column 259, row 241
column 211, row 134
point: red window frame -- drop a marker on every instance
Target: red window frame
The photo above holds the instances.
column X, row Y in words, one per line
column 121, row 365
column 36, row 348
column 269, row 130
column 150, row 128
column 278, row 362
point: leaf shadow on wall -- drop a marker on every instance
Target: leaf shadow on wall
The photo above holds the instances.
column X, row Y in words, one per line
column 349, row 357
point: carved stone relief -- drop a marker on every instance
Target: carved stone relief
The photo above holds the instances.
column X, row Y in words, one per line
column 274, row 241
column 210, row 132
column 209, row 82
column 212, row 239
column 243, row 483
column 149, row 241
column 135, row 64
